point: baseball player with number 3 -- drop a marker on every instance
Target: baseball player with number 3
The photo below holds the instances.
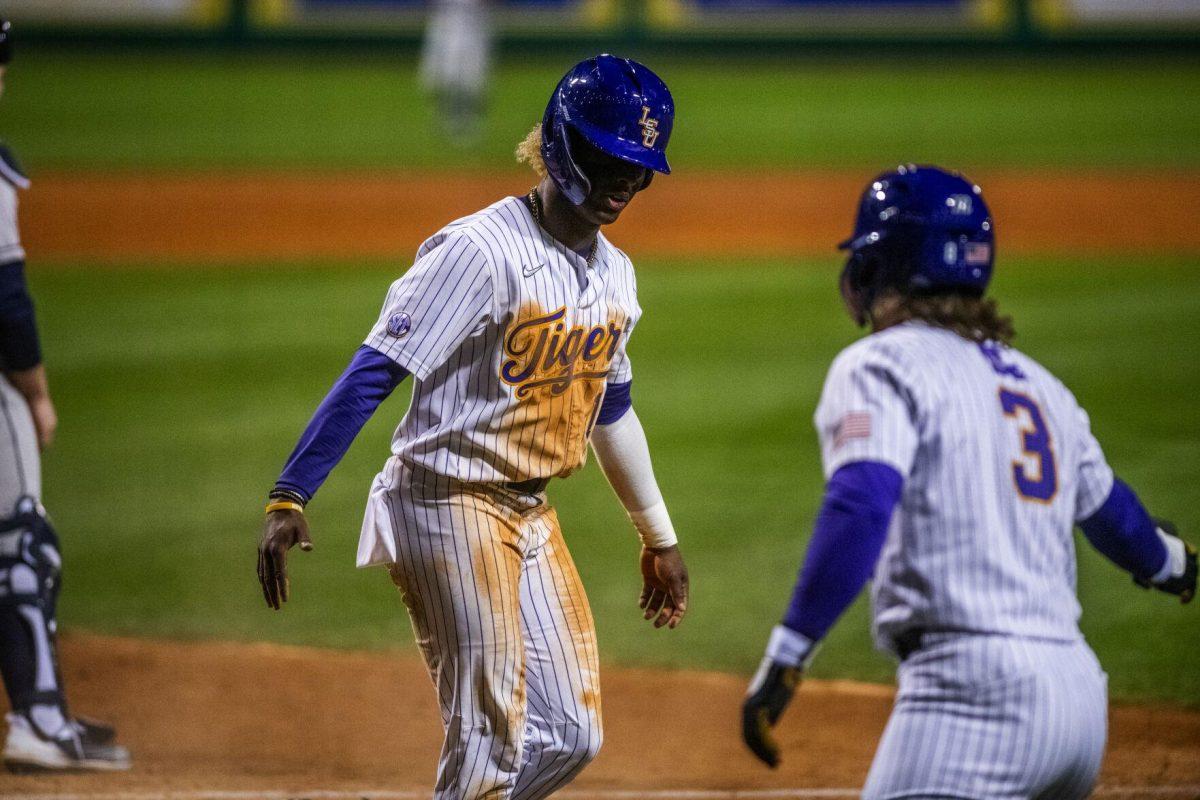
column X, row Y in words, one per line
column 514, row 323
column 957, row 468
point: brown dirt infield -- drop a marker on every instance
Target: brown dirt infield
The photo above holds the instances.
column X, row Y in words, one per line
column 244, row 218
column 257, row 718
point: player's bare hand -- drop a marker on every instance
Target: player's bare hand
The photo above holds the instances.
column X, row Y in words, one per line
column 32, row 385
column 45, row 420
column 664, row 595
column 283, row 530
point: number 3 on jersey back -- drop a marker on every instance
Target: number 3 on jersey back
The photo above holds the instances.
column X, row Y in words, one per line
column 1035, row 477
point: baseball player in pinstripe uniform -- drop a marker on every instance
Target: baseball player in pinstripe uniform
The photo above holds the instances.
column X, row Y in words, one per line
column 957, row 469
column 42, row 733
column 514, row 323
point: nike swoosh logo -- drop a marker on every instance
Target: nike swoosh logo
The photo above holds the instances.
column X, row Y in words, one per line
column 528, row 271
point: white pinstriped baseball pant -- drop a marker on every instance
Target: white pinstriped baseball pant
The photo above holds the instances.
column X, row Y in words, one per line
column 993, row 718
column 505, row 628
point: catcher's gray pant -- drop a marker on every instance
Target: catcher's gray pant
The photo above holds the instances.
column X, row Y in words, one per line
column 503, row 623
column 993, row 718
column 20, row 463
column 29, row 571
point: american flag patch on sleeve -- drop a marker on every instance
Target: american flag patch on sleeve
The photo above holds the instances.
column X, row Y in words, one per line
column 855, row 425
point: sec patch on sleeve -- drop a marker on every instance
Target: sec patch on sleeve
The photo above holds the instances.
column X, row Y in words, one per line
column 399, row 324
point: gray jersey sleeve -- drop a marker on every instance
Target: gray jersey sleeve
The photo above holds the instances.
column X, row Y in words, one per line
column 866, row 412
column 1095, row 478
column 10, row 237
column 445, row 298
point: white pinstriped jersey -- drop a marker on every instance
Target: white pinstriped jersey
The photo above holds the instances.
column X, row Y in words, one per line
column 512, row 340
column 999, row 462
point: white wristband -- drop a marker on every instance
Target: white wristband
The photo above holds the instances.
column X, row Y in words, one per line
column 790, row 648
column 1176, row 562
column 654, row 526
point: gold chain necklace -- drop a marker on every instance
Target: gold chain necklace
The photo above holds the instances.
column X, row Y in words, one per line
column 535, row 208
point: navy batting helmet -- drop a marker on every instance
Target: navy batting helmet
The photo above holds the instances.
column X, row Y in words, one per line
column 619, row 107
column 920, row 230
column 5, row 41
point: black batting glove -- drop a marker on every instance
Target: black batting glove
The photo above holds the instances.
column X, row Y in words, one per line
column 768, row 697
column 788, row 654
column 1183, row 582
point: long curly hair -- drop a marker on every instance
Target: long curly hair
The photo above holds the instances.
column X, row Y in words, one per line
column 975, row 318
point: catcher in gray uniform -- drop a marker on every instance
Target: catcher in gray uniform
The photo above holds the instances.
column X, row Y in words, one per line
column 42, row 734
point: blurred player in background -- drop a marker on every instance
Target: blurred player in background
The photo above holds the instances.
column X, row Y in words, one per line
column 515, row 323
column 957, row 469
column 41, row 731
column 456, row 61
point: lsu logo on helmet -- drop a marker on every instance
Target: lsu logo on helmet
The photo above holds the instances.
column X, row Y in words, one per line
column 649, row 127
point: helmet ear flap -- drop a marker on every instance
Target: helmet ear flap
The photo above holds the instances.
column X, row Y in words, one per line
column 581, row 184
column 559, row 160
column 853, row 287
column 865, row 274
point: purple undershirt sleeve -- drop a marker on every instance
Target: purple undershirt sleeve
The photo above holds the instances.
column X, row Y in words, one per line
column 617, row 400
column 355, row 395
column 1123, row 532
column 847, row 540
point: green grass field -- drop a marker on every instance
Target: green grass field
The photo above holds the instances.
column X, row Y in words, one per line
column 141, row 110
column 181, row 392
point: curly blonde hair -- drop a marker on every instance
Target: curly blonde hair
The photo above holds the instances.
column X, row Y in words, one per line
column 529, row 151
